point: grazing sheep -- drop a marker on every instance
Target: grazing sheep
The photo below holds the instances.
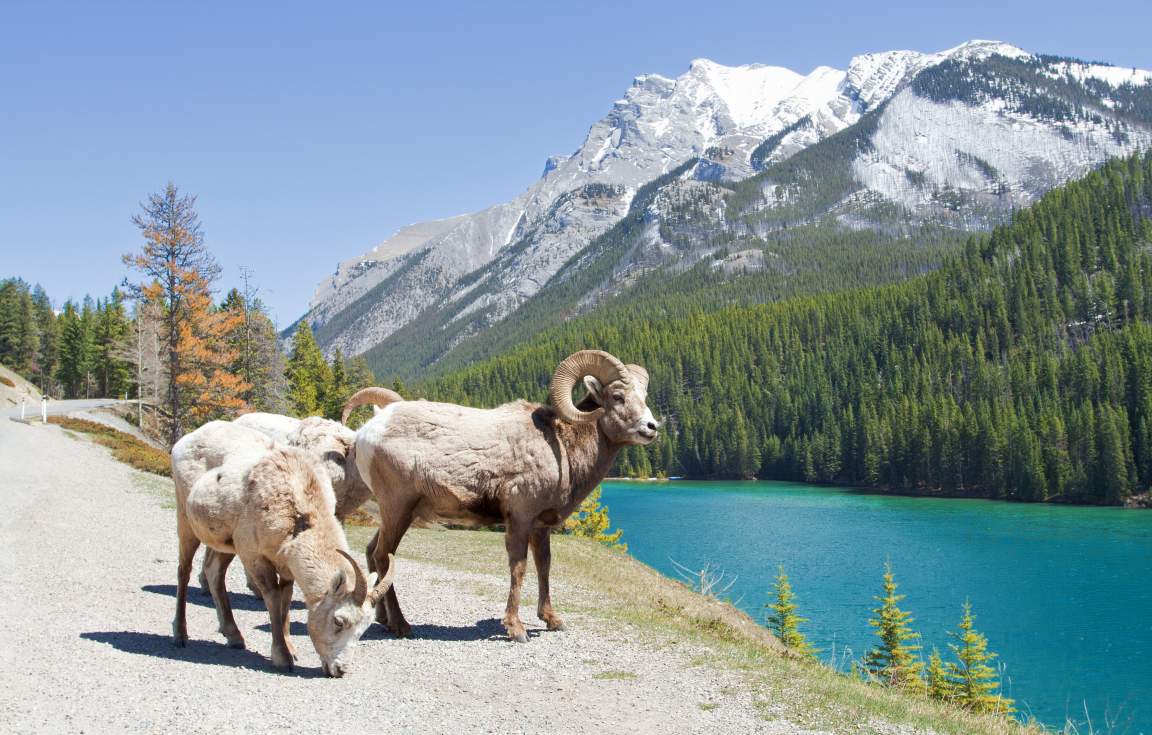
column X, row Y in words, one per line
column 521, row 464
column 330, row 441
column 274, row 508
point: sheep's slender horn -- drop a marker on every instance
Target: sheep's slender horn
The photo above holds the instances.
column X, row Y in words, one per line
column 598, row 364
column 639, row 374
column 369, row 396
column 384, row 584
column 361, row 589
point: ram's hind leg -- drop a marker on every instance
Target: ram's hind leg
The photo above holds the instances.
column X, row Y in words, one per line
column 188, row 545
column 394, row 523
column 216, row 569
column 516, row 543
column 541, row 542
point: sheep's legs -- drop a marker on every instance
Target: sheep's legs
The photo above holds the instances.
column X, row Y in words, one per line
column 266, row 578
column 370, row 551
column 188, row 545
column 541, row 542
column 215, row 568
column 285, row 610
column 516, row 542
column 203, row 578
column 393, row 525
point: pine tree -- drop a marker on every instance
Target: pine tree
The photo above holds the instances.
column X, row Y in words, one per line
column 895, row 661
column 308, row 373
column 178, row 273
column 19, row 340
column 591, row 521
column 336, row 393
column 46, row 356
column 75, row 350
column 784, row 620
column 938, row 682
column 112, row 333
column 973, row 683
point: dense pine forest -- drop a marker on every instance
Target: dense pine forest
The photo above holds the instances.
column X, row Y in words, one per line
column 1020, row 369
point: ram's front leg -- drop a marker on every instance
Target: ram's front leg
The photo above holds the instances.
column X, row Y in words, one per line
column 264, row 574
column 516, row 542
column 541, row 540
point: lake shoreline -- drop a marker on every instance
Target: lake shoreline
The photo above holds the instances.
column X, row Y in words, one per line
column 1140, row 501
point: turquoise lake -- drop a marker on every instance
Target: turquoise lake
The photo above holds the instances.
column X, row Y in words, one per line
column 1064, row 594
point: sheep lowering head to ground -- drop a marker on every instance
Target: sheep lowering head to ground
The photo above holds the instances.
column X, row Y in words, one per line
column 274, row 508
column 523, row 465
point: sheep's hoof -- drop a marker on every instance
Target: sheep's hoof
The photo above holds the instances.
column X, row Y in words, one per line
column 401, row 629
column 556, row 624
column 237, row 643
column 179, row 641
column 520, row 638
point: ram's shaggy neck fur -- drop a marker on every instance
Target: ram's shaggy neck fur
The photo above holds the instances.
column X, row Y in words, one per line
column 585, row 456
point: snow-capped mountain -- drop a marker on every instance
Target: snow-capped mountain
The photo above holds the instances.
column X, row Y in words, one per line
column 962, row 135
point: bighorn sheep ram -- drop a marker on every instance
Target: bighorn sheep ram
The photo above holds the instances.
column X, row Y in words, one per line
column 521, row 464
column 272, row 506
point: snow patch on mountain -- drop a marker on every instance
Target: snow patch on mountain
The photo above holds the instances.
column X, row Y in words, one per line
column 1003, row 159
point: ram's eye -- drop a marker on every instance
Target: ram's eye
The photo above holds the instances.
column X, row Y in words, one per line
column 618, row 397
column 339, row 621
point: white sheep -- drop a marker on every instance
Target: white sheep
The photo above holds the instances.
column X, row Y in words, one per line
column 272, row 506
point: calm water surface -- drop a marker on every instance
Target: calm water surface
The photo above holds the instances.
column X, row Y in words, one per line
column 1064, row 594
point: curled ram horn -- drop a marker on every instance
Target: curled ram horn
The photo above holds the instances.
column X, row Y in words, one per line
column 360, row 591
column 597, row 363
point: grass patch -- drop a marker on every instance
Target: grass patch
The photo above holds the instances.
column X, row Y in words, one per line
column 708, row 706
column 612, row 586
column 615, row 676
column 126, row 448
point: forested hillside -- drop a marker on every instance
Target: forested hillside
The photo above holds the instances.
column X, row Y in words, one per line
column 1020, row 369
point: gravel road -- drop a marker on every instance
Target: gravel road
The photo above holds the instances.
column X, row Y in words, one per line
column 88, row 565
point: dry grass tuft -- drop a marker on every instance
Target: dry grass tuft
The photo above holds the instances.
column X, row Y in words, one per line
column 7, row 381
column 125, row 448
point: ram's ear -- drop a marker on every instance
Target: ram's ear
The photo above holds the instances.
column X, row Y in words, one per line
column 594, row 388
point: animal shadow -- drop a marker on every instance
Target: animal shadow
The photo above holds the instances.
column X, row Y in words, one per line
column 490, row 629
column 208, row 653
column 196, row 596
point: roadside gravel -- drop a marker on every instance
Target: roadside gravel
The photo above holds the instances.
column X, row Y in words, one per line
column 88, row 565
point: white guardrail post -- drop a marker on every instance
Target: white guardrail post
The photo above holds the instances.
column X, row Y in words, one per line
column 44, row 409
column 23, row 407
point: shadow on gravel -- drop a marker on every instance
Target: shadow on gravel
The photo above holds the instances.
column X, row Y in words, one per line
column 484, row 630
column 240, row 600
column 196, row 652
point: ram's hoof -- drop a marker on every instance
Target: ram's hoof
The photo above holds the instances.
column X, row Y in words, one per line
column 557, row 625
column 237, row 643
column 520, row 638
column 179, row 641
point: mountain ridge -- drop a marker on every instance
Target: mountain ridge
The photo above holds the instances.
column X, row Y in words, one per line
column 483, row 266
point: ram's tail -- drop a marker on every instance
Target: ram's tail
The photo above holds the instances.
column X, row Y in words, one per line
column 369, row 397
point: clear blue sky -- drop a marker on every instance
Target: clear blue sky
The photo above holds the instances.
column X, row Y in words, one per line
column 312, row 131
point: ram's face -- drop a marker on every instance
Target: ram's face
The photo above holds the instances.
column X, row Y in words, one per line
column 627, row 418
column 334, row 625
